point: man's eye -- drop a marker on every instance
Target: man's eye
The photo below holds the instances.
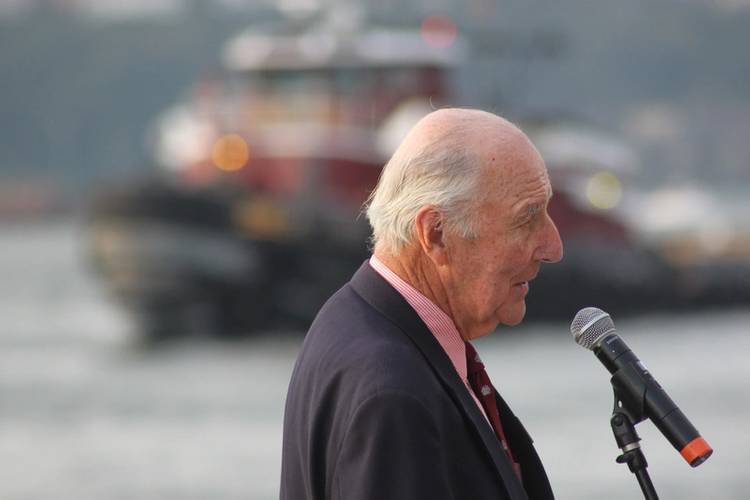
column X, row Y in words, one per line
column 531, row 221
column 524, row 223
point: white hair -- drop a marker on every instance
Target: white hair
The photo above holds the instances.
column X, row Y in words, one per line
column 442, row 173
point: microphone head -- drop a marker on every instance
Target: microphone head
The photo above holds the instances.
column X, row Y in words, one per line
column 590, row 325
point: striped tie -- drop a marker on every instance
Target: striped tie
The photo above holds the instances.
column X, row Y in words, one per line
column 485, row 392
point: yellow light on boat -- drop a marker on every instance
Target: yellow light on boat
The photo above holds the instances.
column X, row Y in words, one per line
column 230, row 153
column 604, row 190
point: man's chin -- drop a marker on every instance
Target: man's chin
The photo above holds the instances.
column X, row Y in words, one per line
column 513, row 315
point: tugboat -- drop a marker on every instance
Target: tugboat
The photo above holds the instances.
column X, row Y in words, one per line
column 253, row 217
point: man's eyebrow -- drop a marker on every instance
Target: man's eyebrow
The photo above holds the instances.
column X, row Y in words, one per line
column 528, row 210
column 533, row 207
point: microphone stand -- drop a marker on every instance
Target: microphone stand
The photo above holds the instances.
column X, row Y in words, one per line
column 627, row 412
column 627, row 440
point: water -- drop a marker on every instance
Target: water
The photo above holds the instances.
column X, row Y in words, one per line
column 85, row 413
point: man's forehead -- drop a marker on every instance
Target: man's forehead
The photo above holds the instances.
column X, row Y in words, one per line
column 528, row 194
column 520, row 178
column 514, row 167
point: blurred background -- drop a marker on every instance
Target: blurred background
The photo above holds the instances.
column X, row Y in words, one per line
column 180, row 189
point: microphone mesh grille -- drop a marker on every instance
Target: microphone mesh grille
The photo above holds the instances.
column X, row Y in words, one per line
column 590, row 325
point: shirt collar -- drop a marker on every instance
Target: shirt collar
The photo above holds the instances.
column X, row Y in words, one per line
column 438, row 322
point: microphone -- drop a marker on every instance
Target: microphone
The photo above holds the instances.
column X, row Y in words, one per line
column 636, row 390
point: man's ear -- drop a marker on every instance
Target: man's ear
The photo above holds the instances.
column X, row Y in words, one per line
column 429, row 224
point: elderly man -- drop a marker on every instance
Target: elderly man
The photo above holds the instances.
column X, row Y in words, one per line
column 388, row 398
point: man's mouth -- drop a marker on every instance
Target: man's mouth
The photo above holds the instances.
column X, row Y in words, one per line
column 523, row 285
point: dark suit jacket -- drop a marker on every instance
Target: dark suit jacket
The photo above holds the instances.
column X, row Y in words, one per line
column 375, row 410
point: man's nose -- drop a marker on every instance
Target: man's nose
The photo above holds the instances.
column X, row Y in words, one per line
column 551, row 247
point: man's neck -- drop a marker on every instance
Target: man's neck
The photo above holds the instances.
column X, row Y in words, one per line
column 416, row 269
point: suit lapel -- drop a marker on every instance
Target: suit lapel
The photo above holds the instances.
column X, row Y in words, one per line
column 386, row 300
column 535, row 481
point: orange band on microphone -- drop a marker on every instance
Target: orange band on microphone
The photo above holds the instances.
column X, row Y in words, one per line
column 695, row 449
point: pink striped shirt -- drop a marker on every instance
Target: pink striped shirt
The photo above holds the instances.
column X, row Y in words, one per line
column 438, row 322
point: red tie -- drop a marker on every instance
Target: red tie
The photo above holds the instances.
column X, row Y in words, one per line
column 480, row 383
